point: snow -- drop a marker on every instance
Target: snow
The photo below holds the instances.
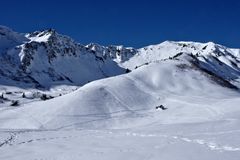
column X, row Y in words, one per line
column 117, row 144
column 43, row 38
column 115, row 117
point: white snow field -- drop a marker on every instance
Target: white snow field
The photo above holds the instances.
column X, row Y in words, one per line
column 113, row 116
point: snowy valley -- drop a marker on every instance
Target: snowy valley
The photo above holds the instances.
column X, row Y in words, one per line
column 64, row 100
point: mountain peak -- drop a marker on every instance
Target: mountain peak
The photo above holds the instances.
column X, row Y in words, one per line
column 41, row 36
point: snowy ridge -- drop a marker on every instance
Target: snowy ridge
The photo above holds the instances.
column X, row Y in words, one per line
column 213, row 58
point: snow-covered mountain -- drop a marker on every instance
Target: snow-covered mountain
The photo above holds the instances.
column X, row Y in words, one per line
column 62, row 100
column 45, row 58
column 212, row 58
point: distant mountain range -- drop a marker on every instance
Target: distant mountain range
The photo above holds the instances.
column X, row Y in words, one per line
column 45, row 58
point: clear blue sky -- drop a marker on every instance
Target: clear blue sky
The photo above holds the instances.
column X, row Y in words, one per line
column 134, row 23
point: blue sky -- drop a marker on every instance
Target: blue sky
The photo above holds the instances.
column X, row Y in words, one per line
column 131, row 23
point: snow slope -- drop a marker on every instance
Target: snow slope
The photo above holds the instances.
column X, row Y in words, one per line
column 117, row 102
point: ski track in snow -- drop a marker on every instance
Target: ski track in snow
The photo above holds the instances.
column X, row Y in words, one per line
column 12, row 139
column 208, row 144
column 9, row 141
